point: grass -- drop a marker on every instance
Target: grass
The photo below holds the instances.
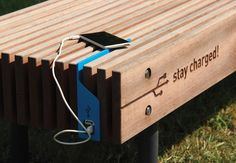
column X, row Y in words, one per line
column 215, row 141
column 203, row 130
column 7, row 6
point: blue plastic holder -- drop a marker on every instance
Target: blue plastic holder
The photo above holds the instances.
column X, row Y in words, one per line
column 88, row 104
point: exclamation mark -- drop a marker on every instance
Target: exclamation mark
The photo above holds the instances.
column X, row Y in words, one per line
column 217, row 50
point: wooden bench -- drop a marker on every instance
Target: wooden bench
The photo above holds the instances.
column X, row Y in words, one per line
column 179, row 49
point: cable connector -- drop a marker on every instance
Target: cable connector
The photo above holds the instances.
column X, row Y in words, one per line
column 75, row 37
column 89, row 124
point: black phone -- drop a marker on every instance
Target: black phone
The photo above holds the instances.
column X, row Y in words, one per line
column 105, row 40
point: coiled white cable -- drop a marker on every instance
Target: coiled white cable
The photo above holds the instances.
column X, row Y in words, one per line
column 88, row 130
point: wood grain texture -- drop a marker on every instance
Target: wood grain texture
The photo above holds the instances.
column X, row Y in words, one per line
column 104, row 91
column 1, row 92
column 163, row 25
column 104, row 84
column 73, row 92
column 107, row 63
column 167, row 35
column 22, row 91
column 49, row 97
column 52, row 36
column 38, row 31
column 63, row 13
column 8, row 89
column 26, row 10
column 63, row 115
column 131, row 118
column 31, row 16
column 35, row 95
column 196, row 25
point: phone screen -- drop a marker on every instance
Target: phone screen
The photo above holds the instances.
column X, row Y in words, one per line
column 105, row 40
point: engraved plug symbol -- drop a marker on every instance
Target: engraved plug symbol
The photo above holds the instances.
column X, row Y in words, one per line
column 161, row 82
column 88, row 110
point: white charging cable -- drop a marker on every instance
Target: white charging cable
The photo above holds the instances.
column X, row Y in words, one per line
column 87, row 130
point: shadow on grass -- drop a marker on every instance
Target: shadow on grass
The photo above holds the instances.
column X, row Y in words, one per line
column 192, row 115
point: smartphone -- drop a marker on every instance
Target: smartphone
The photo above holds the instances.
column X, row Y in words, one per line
column 105, row 40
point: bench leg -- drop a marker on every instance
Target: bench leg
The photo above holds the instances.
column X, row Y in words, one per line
column 147, row 142
column 18, row 144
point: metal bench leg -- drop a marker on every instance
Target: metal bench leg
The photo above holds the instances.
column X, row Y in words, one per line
column 147, row 142
column 19, row 144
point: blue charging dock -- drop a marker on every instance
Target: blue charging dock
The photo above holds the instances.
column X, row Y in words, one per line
column 88, row 104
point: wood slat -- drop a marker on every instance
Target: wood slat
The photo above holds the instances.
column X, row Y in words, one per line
column 49, row 96
column 22, row 93
column 146, row 43
column 161, row 25
column 202, row 41
column 73, row 92
column 8, row 91
column 63, row 115
column 29, row 42
column 64, row 17
column 35, row 95
column 26, row 10
column 107, row 68
column 1, row 92
column 171, row 36
column 36, row 14
column 115, row 29
column 104, row 84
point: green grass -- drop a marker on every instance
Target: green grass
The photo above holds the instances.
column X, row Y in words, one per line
column 215, row 141
column 203, row 130
column 7, row 6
